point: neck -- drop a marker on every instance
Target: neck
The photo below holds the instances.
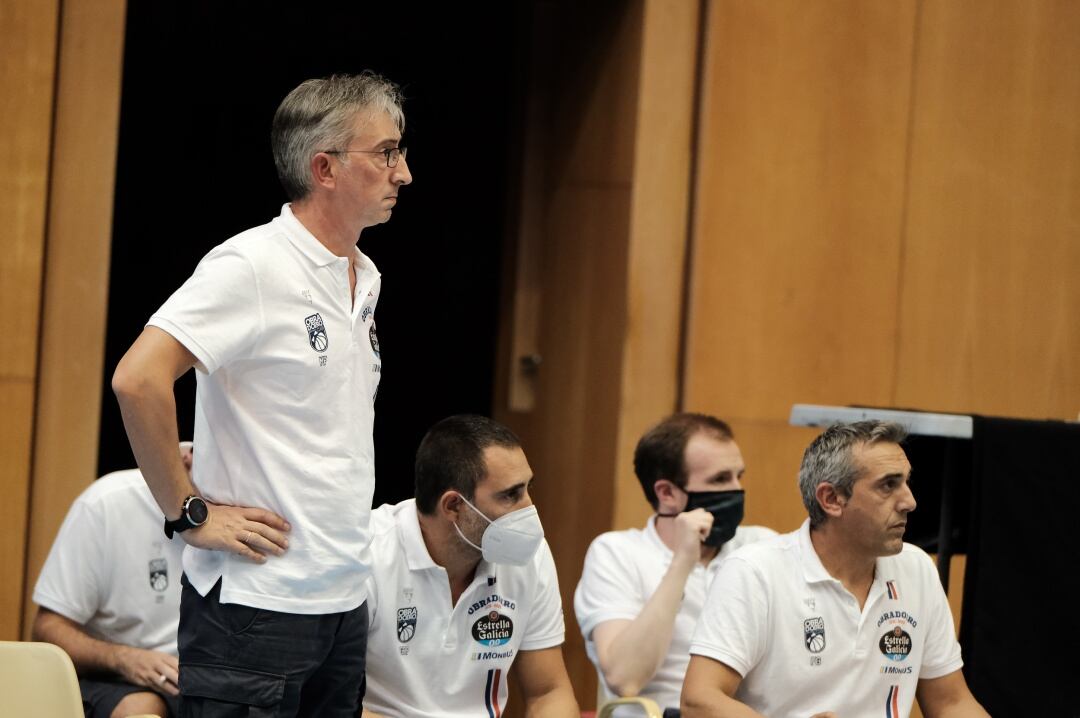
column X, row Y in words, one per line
column 844, row 560
column 326, row 225
column 448, row 550
column 665, row 529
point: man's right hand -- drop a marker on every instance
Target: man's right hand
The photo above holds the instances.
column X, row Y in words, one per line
column 248, row 532
column 691, row 528
column 151, row 669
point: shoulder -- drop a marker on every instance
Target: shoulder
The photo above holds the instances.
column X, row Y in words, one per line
column 745, row 535
column 119, row 486
column 629, row 539
column 385, row 519
column 763, row 550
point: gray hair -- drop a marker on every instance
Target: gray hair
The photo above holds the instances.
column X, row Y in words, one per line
column 318, row 116
column 829, row 459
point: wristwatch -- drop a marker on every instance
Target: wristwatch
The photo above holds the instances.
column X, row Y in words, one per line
column 193, row 513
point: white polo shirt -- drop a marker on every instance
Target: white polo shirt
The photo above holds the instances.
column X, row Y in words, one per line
column 288, row 367
column 112, row 570
column 802, row 645
column 429, row 659
column 621, row 573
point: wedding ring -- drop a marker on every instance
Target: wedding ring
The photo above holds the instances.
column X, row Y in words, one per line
column 162, row 678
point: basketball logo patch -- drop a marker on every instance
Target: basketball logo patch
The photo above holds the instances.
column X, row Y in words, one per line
column 814, row 634
column 316, row 332
column 406, row 623
column 159, row 574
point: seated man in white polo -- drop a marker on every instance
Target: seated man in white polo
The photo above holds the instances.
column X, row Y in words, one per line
column 840, row 618
column 641, row 590
column 464, row 596
column 109, row 595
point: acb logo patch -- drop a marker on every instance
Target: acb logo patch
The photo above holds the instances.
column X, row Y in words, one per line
column 406, row 623
column 316, row 332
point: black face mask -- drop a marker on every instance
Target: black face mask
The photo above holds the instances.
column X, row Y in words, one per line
column 726, row 508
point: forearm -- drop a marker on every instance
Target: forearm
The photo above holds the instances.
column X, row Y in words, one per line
column 714, row 703
column 144, row 392
column 632, row 657
column 91, row 656
column 558, row 703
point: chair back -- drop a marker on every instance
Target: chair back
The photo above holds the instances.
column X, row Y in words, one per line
column 38, row 679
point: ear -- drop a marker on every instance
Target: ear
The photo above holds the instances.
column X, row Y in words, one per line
column 322, row 170
column 665, row 490
column 450, row 505
column 830, row 500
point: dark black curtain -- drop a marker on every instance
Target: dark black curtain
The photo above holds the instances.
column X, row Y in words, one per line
column 200, row 85
column 1018, row 623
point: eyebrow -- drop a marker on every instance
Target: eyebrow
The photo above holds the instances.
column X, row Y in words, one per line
column 516, row 487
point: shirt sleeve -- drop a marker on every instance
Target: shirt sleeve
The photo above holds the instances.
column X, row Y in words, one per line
column 609, row 588
column 942, row 653
column 546, row 628
column 217, row 313
column 733, row 627
column 70, row 582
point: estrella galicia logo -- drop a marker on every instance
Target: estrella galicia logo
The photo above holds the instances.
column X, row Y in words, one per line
column 316, row 332
column 159, row 574
column 814, row 634
column 493, row 629
column 896, row 644
column 374, row 340
column 406, row 623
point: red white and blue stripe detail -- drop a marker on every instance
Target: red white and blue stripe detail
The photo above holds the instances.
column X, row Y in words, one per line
column 491, row 693
column 892, row 705
column 893, row 593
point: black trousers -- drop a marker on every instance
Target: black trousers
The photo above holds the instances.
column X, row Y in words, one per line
column 238, row 661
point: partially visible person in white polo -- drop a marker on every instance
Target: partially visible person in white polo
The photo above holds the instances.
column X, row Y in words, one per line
column 840, row 618
column 109, row 595
column 464, row 597
column 641, row 590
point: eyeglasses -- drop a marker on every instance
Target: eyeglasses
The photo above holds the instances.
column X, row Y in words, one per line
column 392, row 154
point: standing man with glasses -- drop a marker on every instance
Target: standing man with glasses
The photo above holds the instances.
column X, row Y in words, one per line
column 279, row 323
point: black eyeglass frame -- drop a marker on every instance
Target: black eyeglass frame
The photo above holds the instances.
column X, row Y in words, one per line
column 393, row 154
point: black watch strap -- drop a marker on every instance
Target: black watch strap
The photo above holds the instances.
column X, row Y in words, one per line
column 193, row 513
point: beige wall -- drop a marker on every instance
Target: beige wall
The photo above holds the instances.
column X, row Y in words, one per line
column 61, row 83
column 597, row 270
column 28, row 39
column 887, row 214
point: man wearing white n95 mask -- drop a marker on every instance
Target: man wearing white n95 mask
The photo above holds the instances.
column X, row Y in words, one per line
column 464, row 595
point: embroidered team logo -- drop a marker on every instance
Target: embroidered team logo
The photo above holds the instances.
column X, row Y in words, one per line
column 814, row 634
column 374, row 340
column 366, row 312
column 159, row 574
column 896, row 644
column 316, row 332
column 406, row 623
column 493, row 629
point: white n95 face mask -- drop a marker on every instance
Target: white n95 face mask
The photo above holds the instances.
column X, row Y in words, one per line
column 511, row 539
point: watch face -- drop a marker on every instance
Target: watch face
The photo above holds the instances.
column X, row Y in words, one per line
column 197, row 512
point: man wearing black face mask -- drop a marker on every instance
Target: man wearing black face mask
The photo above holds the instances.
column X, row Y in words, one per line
column 641, row 591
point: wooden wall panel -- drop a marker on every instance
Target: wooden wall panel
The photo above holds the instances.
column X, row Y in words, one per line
column 76, row 268
column 797, row 223
column 27, row 73
column 991, row 300
column 615, row 153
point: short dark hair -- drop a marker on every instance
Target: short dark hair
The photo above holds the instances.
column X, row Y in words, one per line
column 661, row 452
column 451, row 457
column 830, row 460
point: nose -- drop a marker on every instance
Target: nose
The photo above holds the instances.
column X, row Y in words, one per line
column 400, row 173
column 907, row 501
